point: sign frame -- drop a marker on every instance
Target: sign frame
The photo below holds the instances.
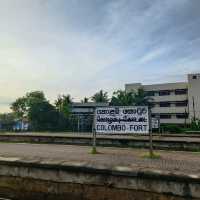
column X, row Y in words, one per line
column 133, row 124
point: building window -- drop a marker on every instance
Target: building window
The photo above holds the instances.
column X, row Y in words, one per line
column 165, row 116
column 150, row 93
column 165, row 104
column 151, row 104
column 182, row 104
column 194, row 77
column 182, row 116
column 164, row 92
column 180, row 91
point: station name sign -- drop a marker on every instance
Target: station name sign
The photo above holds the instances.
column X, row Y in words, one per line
column 119, row 120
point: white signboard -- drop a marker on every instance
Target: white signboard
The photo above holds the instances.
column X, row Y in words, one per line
column 134, row 119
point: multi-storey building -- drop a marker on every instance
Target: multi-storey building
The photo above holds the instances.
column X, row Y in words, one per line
column 176, row 103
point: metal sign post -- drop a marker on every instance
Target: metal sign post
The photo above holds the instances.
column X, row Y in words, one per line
column 159, row 125
column 94, row 150
column 150, row 135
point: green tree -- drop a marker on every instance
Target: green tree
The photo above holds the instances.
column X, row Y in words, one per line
column 22, row 105
column 141, row 98
column 35, row 97
column 19, row 107
column 40, row 113
column 100, row 97
column 43, row 116
column 63, row 104
column 124, row 98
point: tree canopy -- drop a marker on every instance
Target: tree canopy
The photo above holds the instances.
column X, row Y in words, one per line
column 19, row 107
column 39, row 112
column 100, row 97
column 141, row 98
column 63, row 104
column 43, row 116
column 133, row 98
column 122, row 98
column 22, row 105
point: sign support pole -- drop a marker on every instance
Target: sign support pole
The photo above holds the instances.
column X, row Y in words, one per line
column 78, row 124
column 94, row 141
column 159, row 124
column 150, row 136
column 94, row 150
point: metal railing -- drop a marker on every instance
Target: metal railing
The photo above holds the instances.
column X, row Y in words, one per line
column 80, row 123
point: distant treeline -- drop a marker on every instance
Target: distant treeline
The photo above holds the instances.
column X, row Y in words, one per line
column 41, row 115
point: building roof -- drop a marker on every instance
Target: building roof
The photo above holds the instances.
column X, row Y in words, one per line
column 160, row 86
column 89, row 104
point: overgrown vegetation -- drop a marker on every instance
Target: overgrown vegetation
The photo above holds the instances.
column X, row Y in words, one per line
column 174, row 128
column 195, row 125
column 171, row 128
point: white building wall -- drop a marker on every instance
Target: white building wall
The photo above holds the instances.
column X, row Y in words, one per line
column 173, row 121
column 167, row 110
column 171, row 98
column 194, row 95
column 165, row 86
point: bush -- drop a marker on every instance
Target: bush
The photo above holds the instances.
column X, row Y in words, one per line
column 195, row 125
column 171, row 128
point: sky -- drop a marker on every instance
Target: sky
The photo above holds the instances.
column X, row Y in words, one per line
column 78, row 47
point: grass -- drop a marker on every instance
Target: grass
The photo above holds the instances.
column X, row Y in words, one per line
column 94, row 151
column 195, row 152
column 151, row 156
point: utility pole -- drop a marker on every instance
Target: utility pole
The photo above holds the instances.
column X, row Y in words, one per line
column 194, row 111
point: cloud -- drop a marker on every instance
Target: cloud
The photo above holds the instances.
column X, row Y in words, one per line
column 80, row 46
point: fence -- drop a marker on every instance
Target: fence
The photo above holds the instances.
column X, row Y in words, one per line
column 80, row 123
